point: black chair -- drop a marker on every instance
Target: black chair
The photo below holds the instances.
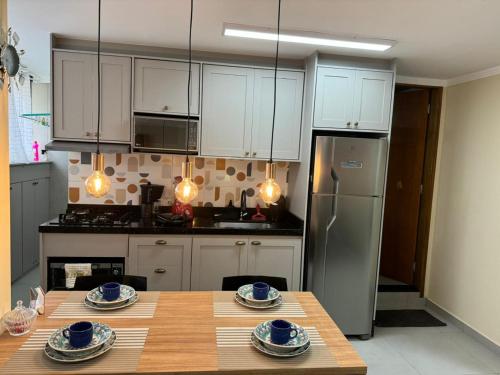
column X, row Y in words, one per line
column 234, row 282
column 139, row 283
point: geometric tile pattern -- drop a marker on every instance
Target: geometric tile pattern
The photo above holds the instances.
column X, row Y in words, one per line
column 218, row 180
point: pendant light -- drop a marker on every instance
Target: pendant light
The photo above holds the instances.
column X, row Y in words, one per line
column 98, row 184
column 187, row 190
column 270, row 190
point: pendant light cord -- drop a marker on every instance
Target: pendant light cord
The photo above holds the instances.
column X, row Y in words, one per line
column 275, row 79
column 98, row 77
column 189, row 83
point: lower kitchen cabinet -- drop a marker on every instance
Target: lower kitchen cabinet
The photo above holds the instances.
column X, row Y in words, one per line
column 16, row 231
column 164, row 260
column 217, row 257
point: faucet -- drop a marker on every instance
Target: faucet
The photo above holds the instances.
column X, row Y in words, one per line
column 243, row 205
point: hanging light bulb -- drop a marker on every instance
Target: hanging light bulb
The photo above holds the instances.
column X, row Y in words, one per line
column 270, row 190
column 97, row 184
column 186, row 190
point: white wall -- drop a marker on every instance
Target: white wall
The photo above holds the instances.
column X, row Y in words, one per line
column 464, row 257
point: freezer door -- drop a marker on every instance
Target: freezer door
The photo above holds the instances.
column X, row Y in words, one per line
column 351, row 166
column 345, row 247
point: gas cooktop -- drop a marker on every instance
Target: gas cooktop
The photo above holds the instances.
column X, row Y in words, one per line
column 85, row 217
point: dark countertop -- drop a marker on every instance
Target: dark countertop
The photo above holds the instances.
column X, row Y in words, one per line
column 203, row 223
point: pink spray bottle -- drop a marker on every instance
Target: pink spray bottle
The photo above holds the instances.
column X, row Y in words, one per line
column 36, row 153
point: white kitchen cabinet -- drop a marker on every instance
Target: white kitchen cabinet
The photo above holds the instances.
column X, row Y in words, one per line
column 279, row 257
column 227, row 111
column 289, row 89
column 75, row 97
column 372, row 100
column 353, row 99
column 16, row 230
column 161, row 87
column 216, row 257
column 164, row 260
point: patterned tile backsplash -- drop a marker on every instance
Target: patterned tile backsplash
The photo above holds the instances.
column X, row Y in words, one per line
column 219, row 180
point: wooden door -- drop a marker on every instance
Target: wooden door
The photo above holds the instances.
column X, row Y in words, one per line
column 161, row 87
column 402, row 202
column 372, row 100
column 116, row 75
column 334, row 98
column 217, row 257
column 288, row 114
column 226, row 127
column 279, row 257
column 16, row 231
column 164, row 260
column 74, row 97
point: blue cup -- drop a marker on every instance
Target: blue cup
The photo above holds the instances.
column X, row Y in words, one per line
column 260, row 290
column 282, row 332
column 79, row 334
column 110, row 291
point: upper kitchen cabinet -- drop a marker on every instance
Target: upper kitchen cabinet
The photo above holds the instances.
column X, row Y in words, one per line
column 238, row 109
column 289, row 89
column 227, row 111
column 161, row 87
column 75, row 99
column 353, row 99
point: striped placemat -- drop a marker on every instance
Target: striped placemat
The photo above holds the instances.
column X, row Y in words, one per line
column 122, row 358
column 225, row 307
column 73, row 307
column 235, row 351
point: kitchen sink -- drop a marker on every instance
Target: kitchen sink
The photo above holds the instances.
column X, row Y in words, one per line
column 243, row 225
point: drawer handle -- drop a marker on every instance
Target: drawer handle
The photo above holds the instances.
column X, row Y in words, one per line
column 348, row 124
column 356, row 124
column 240, row 243
column 254, row 154
column 256, row 243
column 160, row 270
column 88, row 134
column 165, row 108
column 161, row 242
column 34, row 183
column 247, row 153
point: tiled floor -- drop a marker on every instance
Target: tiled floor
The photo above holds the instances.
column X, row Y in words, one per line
column 20, row 287
column 426, row 351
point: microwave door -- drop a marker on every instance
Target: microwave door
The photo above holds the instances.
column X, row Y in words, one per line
column 149, row 133
column 175, row 136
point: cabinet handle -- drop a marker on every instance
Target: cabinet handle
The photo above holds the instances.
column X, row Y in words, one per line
column 160, row 270
column 165, row 108
column 254, row 154
column 95, row 134
column 356, row 124
column 34, row 183
column 348, row 124
column 247, row 153
column 88, row 134
column 161, row 242
column 240, row 243
column 256, row 243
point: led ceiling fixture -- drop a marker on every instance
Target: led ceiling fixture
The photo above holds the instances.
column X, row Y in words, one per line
column 98, row 184
column 187, row 190
column 302, row 37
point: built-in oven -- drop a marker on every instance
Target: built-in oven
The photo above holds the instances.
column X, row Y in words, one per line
column 56, row 273
column 165, row 134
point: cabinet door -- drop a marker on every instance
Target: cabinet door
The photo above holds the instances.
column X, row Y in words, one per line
column 161, row 86
column 276, row 257
column 215, row 258
column 74, row 97
column 288, row 121
column 30, row 230
column 334, row 98
column 116, row 89
column 41, row 211
column 372, row 100
column 16, row 230
column 227, row 111
column 164, row 260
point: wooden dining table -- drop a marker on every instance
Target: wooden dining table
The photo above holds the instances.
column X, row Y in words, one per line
column 182, row 337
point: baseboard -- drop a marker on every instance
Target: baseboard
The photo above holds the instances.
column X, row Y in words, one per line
column 468, row 330
column 384, row 288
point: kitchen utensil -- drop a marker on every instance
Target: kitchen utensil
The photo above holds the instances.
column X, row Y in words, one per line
column 19, row 321
column 294, row 353
column 96, row 297
column 260, row 291
column 264, row 331
column 79, row 334
column 110, row 291
column 101, row 334
column 246, row 292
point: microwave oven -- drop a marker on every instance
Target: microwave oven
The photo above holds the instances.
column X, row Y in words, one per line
column 165, row 134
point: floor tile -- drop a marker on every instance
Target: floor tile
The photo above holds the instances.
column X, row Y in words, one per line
column 20, row 287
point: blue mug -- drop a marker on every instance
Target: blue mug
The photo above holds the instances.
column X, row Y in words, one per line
column 282, row 332
column 110, row 291
column 260, row 290
column 79, row 334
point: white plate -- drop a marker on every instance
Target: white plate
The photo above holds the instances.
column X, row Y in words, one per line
column 102, row 333
column 263, row 334
column 122, row 305
column 126, row 293
column 250, row 305
column 246, row 292
column 260, row 347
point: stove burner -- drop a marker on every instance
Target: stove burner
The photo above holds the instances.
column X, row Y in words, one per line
column 84, row 217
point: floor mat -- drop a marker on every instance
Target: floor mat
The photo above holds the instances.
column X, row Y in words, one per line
column 406, row 318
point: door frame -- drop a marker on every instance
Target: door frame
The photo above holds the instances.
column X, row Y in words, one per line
column 428, row 176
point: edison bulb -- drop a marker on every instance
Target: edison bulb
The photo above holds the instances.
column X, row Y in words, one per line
column 186, row 190
column 270, row 191
column 97, row 184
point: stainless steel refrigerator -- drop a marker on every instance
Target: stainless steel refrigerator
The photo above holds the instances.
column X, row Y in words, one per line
column 345, row 219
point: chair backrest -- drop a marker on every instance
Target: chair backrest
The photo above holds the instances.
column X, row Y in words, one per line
column 139, row 283
column 234, row 282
